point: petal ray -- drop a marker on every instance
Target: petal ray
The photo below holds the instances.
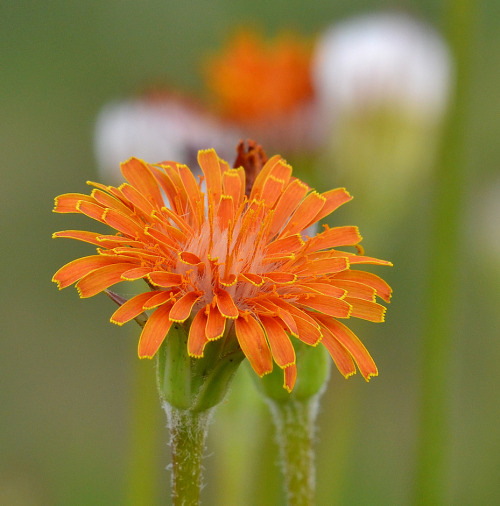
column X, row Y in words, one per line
column 197, row 338
column 253, row 342
column 154, row 332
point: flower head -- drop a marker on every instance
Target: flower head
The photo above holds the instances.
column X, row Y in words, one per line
column 228, row 260
column 264, row 88
column 382, row 82
column 279, row 69
column 382, row 60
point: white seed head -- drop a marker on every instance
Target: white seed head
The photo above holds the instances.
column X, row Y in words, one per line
column 379, row 60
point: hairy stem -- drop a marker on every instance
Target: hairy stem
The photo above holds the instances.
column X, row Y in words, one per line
column 188, row 432
column 295, row 424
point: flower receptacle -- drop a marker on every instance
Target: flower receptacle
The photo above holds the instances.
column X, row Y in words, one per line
column 195, row 384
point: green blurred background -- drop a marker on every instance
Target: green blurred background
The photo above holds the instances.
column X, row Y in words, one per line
column 67, row 376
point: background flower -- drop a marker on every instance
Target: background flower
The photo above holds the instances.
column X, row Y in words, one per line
column 382, row 60
column 383, row 83
column 156, row 126
column 262, row 85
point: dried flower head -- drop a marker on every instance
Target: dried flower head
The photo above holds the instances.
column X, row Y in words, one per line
column 227, row 263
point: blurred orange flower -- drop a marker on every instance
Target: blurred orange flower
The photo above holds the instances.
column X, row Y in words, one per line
column 227, row 259
column 254, row 80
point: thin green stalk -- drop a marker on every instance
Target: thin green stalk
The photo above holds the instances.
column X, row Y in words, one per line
column 188, row 432
column 190, row 389
column 439, row 315
column 295, row 422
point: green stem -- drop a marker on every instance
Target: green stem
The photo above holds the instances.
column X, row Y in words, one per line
column 439, row 315
column 295, row 421
column 188, row 432
column 190, row 389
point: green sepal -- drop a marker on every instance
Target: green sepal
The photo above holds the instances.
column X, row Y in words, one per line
column 195, row 384
column 313, row 370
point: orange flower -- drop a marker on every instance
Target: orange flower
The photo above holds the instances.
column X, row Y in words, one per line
column 226, row 264
column 256, row 81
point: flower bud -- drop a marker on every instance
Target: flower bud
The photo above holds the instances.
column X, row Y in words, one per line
column 313, row 366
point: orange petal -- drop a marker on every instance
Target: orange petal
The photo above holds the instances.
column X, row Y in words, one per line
column 323, row 288
column 182, row 308
column 283, row 314
column 79, row 235
column 73, row 271
column 355, row 289
column 230, row 280
column 353, row 345
column 289, row 200
column 290, row 375
column 216, row 323
column 382, row 288
column 307, row 332
column 262, row 176
column 68, row 203
column 100, row 279
column 328, row 305
column 136, row 255
column 136, row 198
column 179, row 233
column 333, row 200
column 253, row 342
column 193, row 192
column 333, row 237
column 225, row 212
column 233, row 182
column 165, row 279
column 255, row 279
column 136, row 273
column 288, row 244
column 308, row 329
column 132, row 308
column 209, row 163
column 324, row 266
column 91, row 209
column 304, row 214
column 272, row 190
column 281, row 171
column 281, row 278
column 159, row 299
column 154, row 332
column 197, row 338
column 137, row 173
column 342, row 358
column 166, row 241
column 367, row 310
column 122, row 223
column 281, row 346
column 189, row 258
column 226, row 304
column 169, row 187
column 360, row 259
column 111, row 201
column 180, row 200
column 114, row 241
